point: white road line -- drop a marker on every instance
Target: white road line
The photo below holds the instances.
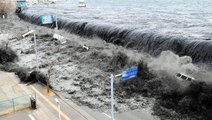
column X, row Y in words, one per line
column 31, row 117
column 106, row 115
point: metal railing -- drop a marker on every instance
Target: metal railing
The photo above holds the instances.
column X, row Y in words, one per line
column 16, row 104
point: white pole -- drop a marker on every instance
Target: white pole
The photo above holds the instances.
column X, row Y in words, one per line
column 58, row 103
column 59, row 111
column 112, row 99
column 36, row 51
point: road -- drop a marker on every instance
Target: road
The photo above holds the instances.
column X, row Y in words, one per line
column 47, row 108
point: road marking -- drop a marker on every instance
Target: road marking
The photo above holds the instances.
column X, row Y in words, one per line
column 31, row 117
column 50, row 103
column 106, row 115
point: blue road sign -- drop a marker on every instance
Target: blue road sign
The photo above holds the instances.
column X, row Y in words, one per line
column 129, row 73
column 47, row 19
column 21, row 4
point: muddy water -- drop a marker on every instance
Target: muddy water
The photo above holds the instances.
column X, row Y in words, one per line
column 190, row 18
column 183, row 27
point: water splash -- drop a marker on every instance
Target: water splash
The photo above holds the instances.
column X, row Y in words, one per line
column 145, row 41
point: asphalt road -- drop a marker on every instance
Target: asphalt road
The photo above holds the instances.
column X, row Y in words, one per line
column 47, row 108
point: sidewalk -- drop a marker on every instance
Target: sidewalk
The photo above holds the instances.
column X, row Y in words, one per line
column 12, row 96
column 47, row 108
column 8, row 87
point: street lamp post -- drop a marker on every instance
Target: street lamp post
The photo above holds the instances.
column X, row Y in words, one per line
column 36, row 51
column 58, row 104
column 35, row 46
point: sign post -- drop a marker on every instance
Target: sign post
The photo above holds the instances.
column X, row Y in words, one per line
column 129, row 73
column 111, row 95
column 126, row 75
